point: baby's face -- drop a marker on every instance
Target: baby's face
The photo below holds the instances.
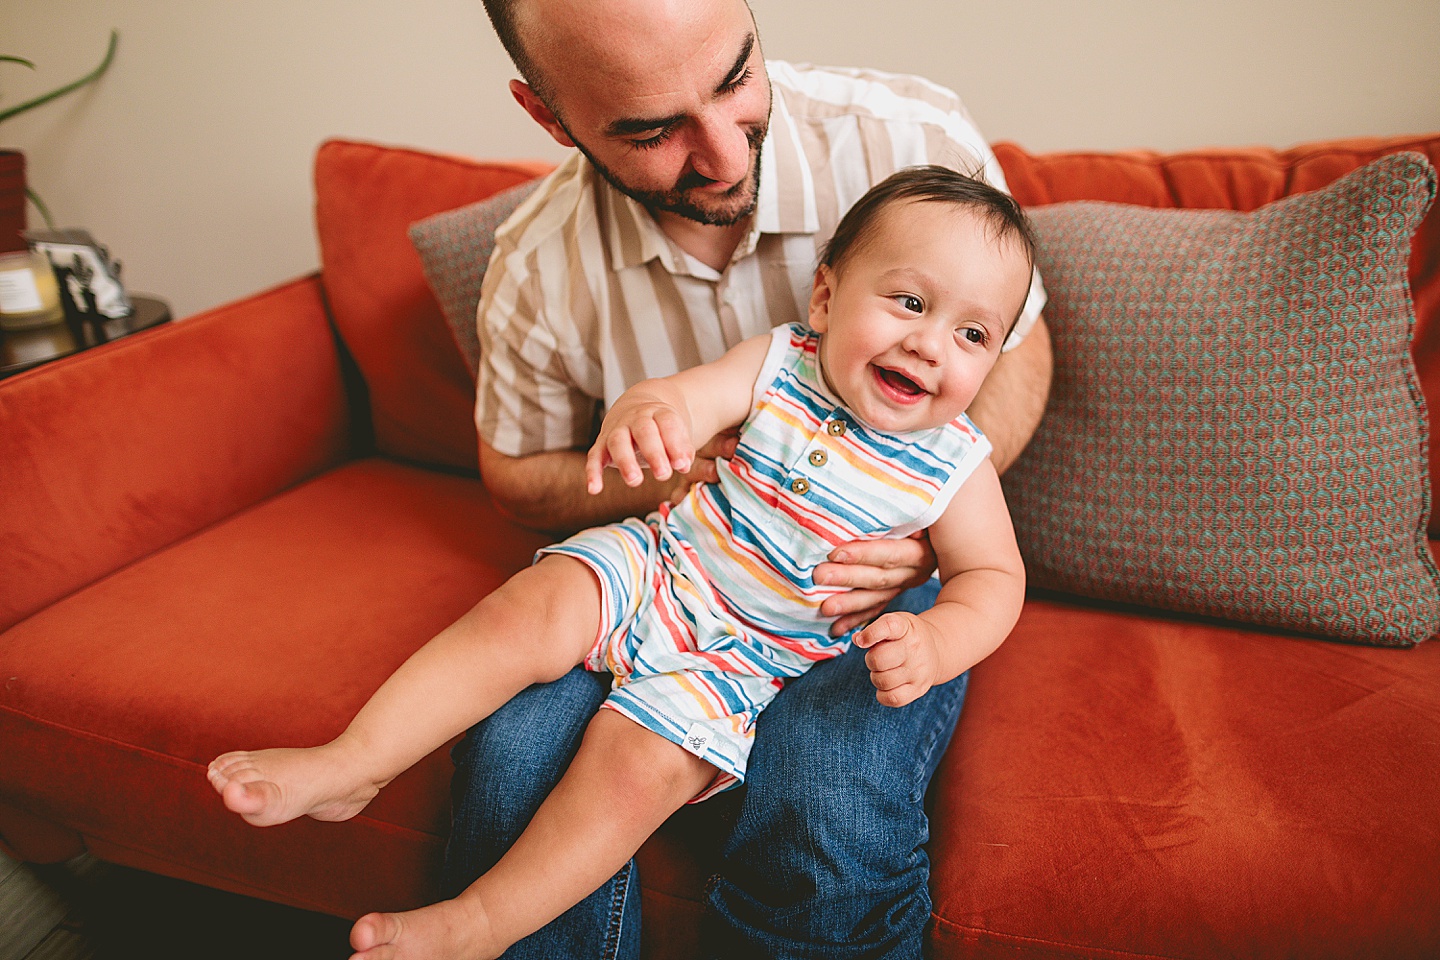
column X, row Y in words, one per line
column 914, row 318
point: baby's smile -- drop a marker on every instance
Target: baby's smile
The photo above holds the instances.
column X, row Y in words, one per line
column 898, row 386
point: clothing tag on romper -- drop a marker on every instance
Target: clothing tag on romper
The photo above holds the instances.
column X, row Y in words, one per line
column 696, row 739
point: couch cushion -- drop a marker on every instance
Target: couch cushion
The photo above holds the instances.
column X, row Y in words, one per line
column 118, row 451
column 455, row 248
column 366, row 196
column 1127, row 786
column 271, row 628
column 1244, row 179
column 1235, row 427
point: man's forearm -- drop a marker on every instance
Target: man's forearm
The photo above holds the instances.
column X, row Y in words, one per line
column 1011, row 402
column 546, row 491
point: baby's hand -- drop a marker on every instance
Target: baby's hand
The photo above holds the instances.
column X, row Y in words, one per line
column 904, row 659
column 639, row 433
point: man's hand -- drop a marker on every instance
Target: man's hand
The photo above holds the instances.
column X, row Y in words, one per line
column 876, row 571
column 904, row 657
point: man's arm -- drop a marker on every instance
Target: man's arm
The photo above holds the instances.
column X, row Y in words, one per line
column 546, row 491
column 1012, row 399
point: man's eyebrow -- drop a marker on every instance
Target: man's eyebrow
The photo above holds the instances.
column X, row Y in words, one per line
column 739, row 66
column 633, row 125
column 630, row 126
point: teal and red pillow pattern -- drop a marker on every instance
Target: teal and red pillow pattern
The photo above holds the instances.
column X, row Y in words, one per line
column 454, row 249
column 1235, row 427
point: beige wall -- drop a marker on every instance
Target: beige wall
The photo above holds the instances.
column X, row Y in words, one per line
column 192, row 159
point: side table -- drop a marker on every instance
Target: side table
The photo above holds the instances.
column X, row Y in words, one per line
column 23, row 349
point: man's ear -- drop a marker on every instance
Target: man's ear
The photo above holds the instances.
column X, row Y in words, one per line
column 539, row 112
column 820, row 296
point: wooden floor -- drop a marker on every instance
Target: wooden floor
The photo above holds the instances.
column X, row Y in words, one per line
column 88, row 910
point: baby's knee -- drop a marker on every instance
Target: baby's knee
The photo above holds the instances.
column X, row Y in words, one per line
column 646, row 769
column 545, row 616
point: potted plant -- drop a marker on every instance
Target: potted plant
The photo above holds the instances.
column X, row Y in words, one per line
column 13, row 190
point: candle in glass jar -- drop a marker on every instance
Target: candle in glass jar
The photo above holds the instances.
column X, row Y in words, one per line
column 29, row 296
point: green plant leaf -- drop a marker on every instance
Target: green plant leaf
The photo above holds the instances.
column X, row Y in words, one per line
column 40, row 205
column 90, row 77
column 5, row 59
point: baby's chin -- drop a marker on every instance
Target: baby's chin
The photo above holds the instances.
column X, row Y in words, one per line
column 903, row 421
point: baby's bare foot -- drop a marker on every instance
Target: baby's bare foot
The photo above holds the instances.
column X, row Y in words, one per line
column 267, row 787
column 452, row 930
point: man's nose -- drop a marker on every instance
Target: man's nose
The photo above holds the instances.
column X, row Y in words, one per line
column 720, row 150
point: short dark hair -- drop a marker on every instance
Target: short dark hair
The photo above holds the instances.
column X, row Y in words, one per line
column 502, row 18
column 931, row 184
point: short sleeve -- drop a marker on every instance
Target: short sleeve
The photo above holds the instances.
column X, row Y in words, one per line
column 526, row 400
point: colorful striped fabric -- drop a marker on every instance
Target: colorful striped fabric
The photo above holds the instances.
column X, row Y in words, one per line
column 709, row 604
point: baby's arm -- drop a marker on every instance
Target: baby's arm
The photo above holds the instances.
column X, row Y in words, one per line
column 664, row 420
column 983, row 590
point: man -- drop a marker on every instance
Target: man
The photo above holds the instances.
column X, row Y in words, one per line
column 705, row 181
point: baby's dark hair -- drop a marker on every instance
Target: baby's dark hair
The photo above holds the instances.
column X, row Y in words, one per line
column 931, row 184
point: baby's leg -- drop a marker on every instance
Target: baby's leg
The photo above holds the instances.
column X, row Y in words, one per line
column 622, row 784
column 533, row 629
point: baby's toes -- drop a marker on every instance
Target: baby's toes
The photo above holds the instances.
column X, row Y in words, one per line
column 255, row 800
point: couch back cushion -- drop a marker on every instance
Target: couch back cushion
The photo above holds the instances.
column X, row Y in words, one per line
column 421, row 395
column 120, row 451
column 1245, row 179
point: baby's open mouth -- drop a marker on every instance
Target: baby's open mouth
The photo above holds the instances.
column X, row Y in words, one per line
column 899, row 383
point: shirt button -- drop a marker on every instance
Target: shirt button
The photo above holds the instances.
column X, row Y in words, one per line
column 800, row 486
column 837, row 428
column 818, row 458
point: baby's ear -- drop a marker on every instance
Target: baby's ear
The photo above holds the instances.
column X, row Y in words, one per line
column 820, row 296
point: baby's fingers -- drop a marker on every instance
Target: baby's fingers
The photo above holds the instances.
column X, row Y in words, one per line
column 650, row 440
column 891, row 626
column 900, row 695
column 595, row 462
column 620, row 445
column 675, row 434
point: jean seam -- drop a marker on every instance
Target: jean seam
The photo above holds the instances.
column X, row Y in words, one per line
column 616, row 927
column 933, row 735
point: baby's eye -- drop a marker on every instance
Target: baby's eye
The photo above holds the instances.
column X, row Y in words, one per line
column 910, row 302
column 975, row 335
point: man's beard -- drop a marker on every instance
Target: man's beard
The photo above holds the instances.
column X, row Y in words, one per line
column 725, row 210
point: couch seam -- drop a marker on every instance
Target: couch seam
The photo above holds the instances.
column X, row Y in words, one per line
column 189, row 765
column 1040, row 941
column 279, row 896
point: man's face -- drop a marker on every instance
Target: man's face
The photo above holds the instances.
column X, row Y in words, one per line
column 671, row 112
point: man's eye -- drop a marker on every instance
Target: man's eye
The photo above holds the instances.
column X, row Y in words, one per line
column 650, row 143
column 910, row 302
column 737, row 83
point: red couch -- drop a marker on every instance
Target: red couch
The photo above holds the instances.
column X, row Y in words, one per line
column 226, row 532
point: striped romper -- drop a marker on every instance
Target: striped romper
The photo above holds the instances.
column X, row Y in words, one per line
column 709, row 605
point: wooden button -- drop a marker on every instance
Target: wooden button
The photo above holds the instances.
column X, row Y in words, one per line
column 837, row 428
column 818, row 458
column 800, row 486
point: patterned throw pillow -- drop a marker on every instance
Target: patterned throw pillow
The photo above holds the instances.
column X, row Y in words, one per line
column 1235, row 428
column 455, row 248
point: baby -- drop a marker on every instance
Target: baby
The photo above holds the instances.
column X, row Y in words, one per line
column 851, row 428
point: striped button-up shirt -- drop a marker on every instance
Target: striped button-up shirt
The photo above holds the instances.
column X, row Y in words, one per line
column 585, row 295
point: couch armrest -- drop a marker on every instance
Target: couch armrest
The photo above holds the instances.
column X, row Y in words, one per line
column 114, row 453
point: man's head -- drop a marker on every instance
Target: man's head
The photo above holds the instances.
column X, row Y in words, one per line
column 669, row 99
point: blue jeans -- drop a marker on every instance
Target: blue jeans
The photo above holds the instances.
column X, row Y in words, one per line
column 826, row 859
